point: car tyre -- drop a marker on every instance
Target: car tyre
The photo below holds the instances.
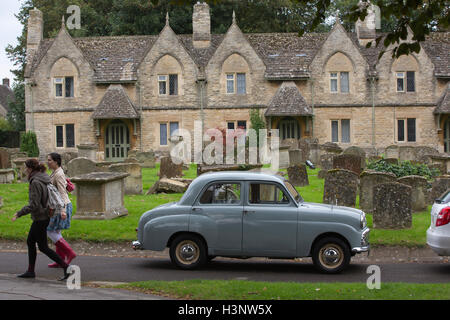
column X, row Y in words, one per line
column 331, row 255
column 188, row 252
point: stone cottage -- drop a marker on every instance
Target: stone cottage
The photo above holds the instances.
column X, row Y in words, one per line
column 132, row 92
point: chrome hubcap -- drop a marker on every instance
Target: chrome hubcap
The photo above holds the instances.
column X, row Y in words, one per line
column 187, row 252
column 331, row 256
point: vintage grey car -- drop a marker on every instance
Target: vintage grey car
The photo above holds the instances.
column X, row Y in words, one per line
column 242, row 214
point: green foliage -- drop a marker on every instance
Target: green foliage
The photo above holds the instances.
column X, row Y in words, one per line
column 256, row 120
column 4, row 125
column 16, row 114
column 404, row 168
column 28, row 144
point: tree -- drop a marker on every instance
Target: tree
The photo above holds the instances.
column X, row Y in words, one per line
column 16, row 114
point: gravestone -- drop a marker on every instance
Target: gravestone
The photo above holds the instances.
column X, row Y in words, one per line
column 406, row 153
column 419, row 194
column 330, row 147
column 326, row 161
column 298, row 175
column 341, row 187
column 100, row 195
column 80, row 166
column 283, row 157
column 391, row 152
column 392, row 206
column 66, row 157
column 146, row 159
column 348, row 162
column 439, row 186
column 133, row 183
column 168, row 186
column 368, row 181
column 6, row 176
column 19, row 164
column 169, row 169
column 4, row 158
column 295, row 157
column 357, row 151
column 88, row 151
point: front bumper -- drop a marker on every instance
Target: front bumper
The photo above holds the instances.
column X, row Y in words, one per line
column 364, row 247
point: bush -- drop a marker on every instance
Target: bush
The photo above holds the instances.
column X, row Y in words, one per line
column 28, row 144
column 404, row 168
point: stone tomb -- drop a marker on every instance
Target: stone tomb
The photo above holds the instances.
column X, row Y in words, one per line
column 368, row 181
column 341, row 187
column 6, row 176
column 392, row 206
column 133, row 183
column 419, row 194
column 100, row 195
column 298, row 175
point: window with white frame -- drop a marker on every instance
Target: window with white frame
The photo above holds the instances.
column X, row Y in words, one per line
column 239, row 124
column 65, row 135
column 406, row 130
column 340, row 130
column 236, row 83
column 406, row 81
column 339, row 82
column 64, row 87
column 168, row 84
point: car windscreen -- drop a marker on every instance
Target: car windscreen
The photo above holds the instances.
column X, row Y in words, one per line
column 293, row 191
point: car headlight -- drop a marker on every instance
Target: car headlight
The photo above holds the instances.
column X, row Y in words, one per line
column 362, row 220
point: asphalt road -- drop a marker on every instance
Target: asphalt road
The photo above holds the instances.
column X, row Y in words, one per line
column 99, row 268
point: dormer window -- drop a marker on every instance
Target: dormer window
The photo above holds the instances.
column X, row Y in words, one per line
column 236, row 83
column 168, row 84
column 406, row 81
column 339, row 82
column 64, row 87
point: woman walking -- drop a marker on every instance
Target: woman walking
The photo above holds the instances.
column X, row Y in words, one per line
column 37, row 207
column 62, row 221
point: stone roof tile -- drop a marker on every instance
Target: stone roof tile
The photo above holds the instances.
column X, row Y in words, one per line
column 115, row 104
column 288, row 101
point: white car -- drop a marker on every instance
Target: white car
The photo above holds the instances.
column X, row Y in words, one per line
column 438, row 235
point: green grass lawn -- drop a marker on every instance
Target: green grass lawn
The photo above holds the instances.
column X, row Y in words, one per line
column 252, row 290
column 123, row 229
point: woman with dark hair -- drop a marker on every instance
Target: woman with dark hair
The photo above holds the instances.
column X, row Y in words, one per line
column 37, row 207
column 60, row 221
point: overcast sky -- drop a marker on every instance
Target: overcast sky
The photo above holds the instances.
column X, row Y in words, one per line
column 10, row 29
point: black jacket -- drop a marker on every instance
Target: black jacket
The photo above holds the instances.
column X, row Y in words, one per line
column 38, row 197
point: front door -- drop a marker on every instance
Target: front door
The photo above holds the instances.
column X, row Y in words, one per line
column 117, row 141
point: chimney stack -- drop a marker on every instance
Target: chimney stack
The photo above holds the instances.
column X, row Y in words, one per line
column 6, row 82
column 201, row 26
column 35, row 33
column 366, row 30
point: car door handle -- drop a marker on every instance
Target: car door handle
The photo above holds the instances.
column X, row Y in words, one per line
column 197, row 209
column 249, row 211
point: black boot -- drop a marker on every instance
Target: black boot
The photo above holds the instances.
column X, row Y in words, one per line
column 28, row 274
column 66, row 274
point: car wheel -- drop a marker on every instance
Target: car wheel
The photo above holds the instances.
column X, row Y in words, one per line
column 188, row 252
column 331, row 255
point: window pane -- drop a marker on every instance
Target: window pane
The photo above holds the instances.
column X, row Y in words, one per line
column 242, row 124
column 344, row 82
column 400, row 130
column 400, row 86
column 59, row 137
column 241, row 86
column 162, row 87
column 70, row 136
column 345, row 130
column 266, row 193
column 58, row 90
column 333, row 85
column 334, row 131
column 173, row 84
column 173, row 127
column 69, row 87
column 163, row 134
column 222, row 193
column 410, row 82
column 411, row 129
column 230, row 125
column 230, row 83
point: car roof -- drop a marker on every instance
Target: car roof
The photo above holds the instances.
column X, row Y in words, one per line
column 198, row 184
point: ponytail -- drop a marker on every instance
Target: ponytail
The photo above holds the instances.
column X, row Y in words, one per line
column 34, row 165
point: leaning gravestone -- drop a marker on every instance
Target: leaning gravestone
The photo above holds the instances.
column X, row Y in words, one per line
column 133, row 183
column 439, row 186
column 419, row 194
column 340, row 188
column 368, row 181
column 80, row 166
column 348, row 161
column 298, row 175
column 392, row 206
column 169, row 169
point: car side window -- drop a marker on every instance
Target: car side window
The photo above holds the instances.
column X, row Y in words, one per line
column 222, row 193
column 264, row 193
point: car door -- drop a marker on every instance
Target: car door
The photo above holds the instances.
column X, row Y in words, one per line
column 269, row 221
column 218, row 214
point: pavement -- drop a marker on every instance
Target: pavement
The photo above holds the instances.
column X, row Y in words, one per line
column 12, row 288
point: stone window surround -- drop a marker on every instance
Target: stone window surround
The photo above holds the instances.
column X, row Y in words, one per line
column 404, row 81
column 339, row 131
column 63, row 89
column 235, row 123
column 235, row 83
column 64, row 135
column 167, row 85
column 338, row 77
column 168, row 129
column 405, row 130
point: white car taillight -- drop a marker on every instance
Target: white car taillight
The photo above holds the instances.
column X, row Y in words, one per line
column 443, row 217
